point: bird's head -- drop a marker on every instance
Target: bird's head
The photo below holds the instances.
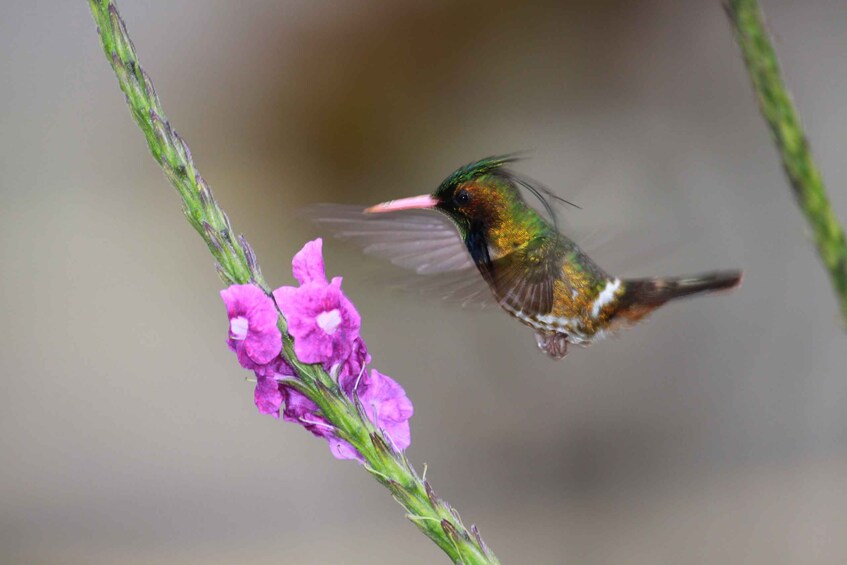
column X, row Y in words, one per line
column 478, row 196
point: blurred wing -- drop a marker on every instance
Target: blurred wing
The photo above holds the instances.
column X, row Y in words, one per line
column 464, row 287
column 423, row 241
column 524, row 279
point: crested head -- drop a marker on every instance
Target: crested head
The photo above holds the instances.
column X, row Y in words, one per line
column 484, row 200
column 472, row 171
column 482, row 193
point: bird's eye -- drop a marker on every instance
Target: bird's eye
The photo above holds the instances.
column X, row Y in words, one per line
column 462, row 197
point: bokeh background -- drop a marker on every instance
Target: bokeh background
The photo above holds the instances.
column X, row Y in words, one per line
column 714, row 433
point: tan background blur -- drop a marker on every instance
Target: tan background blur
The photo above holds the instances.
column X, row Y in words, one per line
column 715, row 433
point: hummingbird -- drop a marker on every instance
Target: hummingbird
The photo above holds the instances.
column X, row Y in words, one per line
column 477, row 227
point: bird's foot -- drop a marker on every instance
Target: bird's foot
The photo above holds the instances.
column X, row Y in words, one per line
column 554, row 344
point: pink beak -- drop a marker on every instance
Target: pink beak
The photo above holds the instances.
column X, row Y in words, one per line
column 413, row 203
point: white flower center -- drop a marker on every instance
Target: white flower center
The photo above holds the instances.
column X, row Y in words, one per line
column 329, row 321
column 238, row 328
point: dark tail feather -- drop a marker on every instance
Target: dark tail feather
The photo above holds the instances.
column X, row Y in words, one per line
column 642, row 296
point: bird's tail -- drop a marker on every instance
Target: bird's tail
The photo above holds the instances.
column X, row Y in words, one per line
column 642, row 296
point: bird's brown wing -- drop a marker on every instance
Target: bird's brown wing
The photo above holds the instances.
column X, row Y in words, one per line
column 524, row 280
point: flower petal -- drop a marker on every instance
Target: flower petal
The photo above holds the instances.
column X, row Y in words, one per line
column 306, row 307
column 385, row 403
column 267, row 396
column 308, row 265
column 254, row 315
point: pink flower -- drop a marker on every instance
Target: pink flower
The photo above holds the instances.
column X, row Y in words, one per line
column 268, row 394
column 385, row 403
column 308, row 264
column 301, row 410
column 354, row 364
column 253, row 333
column 322, row 321
column 325, row 327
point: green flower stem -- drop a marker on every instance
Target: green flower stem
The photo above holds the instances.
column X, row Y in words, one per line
column 778, row 110
column 237, row 264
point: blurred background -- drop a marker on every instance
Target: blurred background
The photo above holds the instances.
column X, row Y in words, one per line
column 714, row 433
